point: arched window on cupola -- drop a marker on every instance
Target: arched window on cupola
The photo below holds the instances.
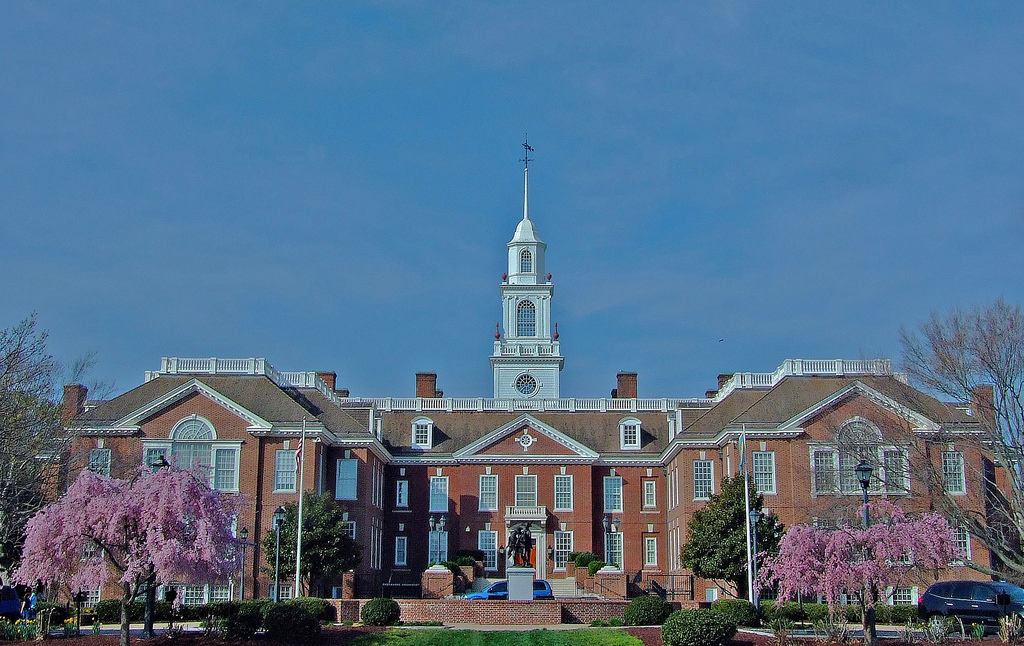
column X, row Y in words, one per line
column 526, row 319
column 525, row 261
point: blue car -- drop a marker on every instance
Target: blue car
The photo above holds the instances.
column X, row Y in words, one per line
column 10, row 605
column 499, row 590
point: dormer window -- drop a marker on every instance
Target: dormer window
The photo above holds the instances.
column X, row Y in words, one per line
column 525, row 262
column 422, row 433
column 629, row 434
column 526, row 319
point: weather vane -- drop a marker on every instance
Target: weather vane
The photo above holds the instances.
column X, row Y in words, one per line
column 528, row 149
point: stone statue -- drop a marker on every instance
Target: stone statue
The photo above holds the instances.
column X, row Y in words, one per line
column 520, row 543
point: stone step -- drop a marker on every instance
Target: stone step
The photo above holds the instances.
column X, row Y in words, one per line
column 564, row 587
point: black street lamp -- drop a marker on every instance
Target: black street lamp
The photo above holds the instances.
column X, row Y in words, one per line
column 244, row 535
column 755, row 517
column 863, row 471
column 157, row 463
column 278, row 521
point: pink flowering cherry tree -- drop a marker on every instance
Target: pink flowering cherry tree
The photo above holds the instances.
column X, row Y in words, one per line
column 168, row 525
column 861, row 563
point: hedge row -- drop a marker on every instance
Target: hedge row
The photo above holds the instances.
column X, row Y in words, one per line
column 815, row 612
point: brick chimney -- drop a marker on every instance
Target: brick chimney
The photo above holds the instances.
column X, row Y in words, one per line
column 710, row 394
column 426, row 385
column 983, row 403
column 74, row 401
column 626, row 386
column 724, row 379
column 329, row 378
column 342, row 392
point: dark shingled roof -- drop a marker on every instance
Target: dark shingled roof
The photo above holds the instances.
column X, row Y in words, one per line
column 598, row 431
column 793, row 395
column 256, row 393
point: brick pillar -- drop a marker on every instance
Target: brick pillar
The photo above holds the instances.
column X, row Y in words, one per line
column 426, row 384
column 983, row 403
column 74, row 401
column 348, row 585
column 329, row 378
column 626, row 385
column 437, row 583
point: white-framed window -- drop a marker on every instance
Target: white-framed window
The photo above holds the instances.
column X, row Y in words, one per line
column 904, row 595
column 193, row 595
column 99, row 462
column 337, row 591
column 563, row 492
column 220, row 592
column 346, row 479
column 401, row 550
column 152, row 454
column 525, row 384
column 826, row 466
column 439, row 493
column 897, row 476
column 348, row 528
column 92, row 597
column 437, row 551
column 488, row 498
column 650, row 551
column 629, row 433
column 962, row 544
column 487, row 542
column 526, row 319
column 525, row 262
column 613, row 549
column 612, row 494
column 703, row 479
column 401, row 493
column 563, row 548
column 650, row 494
column 953, row 480
column 526, row 491
column 422, row 433
column 764, row 471
column 286, row 591
column 225, row 469
column 284, row 470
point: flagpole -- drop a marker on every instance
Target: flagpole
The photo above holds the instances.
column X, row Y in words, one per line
column 299, row 464
column 746, row 516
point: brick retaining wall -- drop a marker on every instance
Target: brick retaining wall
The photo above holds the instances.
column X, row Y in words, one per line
column 497, row 613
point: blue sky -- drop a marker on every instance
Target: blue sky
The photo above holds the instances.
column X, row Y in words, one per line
column 331, row 185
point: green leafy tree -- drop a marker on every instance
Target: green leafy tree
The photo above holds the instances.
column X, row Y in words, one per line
column 716, row 546
column 326, row 546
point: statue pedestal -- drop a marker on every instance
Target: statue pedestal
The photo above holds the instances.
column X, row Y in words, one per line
column 520, row 583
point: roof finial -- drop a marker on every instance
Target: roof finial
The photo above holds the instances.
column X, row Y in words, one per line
column 527, row 149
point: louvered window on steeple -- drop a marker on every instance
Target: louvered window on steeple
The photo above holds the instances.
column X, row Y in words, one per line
column 526, row 319
column 525, row 261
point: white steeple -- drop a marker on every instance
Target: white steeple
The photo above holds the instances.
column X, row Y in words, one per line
column 526, row 359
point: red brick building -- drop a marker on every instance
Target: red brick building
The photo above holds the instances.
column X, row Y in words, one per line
column 427, row 475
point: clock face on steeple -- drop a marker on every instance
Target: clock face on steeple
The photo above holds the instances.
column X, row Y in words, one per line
column 526, row 384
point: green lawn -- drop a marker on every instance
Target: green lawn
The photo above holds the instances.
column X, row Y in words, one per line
column 582, row 637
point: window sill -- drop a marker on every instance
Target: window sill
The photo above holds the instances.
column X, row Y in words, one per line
column 283, row 491
column 563, row 511
column 650, row 510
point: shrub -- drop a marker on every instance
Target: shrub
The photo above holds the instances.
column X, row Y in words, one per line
column 465, row 560
column 615, row 621
column 291, row 622
column 381, row 612
column 697, row 628
column 319, row 608
column 108, row 611
column 739, row 611
column 476, row 555
column 583, row 559
column 902, row 614
column 246, row 620
column 648, row 610
column 594, row 566
column 60, row 611
column 852, row 613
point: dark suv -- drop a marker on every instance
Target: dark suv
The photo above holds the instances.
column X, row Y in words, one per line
column 974, row 602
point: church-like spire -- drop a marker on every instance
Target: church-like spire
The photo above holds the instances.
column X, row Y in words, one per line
column 527, row 149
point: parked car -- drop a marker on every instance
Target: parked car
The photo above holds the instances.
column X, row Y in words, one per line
column 973, row 601
column 10, row 605
column 499, row 590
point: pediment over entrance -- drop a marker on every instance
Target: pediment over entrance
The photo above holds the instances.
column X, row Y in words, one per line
column 526, row 436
